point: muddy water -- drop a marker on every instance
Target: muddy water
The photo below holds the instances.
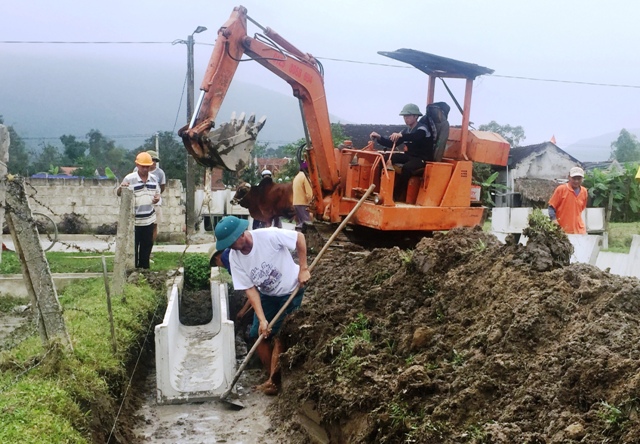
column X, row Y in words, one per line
column 208, row 422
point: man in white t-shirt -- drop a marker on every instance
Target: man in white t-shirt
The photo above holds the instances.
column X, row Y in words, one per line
column 262, row 265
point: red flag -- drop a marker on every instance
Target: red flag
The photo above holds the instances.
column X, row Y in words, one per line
column 553, row 139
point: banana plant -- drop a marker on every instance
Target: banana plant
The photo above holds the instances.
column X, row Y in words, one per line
column 489, row 188
column 620, row 186
column 109, row 173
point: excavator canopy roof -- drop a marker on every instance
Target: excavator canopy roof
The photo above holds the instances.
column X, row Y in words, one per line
column 438, row 66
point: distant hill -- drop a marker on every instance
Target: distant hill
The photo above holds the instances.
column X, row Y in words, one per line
column 598, row 148
column 75, row 96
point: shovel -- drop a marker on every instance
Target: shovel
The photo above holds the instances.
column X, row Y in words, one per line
column 234, row 402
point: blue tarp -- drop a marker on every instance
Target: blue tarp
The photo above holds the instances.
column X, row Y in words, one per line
column 64, row 176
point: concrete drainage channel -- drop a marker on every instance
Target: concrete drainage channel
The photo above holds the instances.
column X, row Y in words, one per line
column 194, row 365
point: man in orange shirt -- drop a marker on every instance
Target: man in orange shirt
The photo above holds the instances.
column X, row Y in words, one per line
column 568, row 202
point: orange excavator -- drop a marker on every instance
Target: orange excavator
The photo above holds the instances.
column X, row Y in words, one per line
column 441, row 197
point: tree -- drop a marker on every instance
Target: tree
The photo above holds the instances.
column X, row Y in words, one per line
column 118, row 160
column 48, row 159
column 337, row 133
column 88, row 167
column 73, row 149
column 626, row 148
column 103, row 153
column 512, row 134
column 18, row 155
column 484, row 176
column 99, row 145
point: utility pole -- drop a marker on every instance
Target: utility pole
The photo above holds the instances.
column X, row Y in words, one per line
column 158, row 144
column 191, row 163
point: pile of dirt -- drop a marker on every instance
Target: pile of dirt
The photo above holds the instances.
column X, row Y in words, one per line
column 464, row 340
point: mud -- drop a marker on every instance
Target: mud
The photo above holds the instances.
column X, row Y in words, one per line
column 208, row 422
column 463, row 340
column 215, row 421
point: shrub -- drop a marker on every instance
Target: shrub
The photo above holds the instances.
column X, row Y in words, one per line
column 73, row 223
column 107, row 228
column 197, row 271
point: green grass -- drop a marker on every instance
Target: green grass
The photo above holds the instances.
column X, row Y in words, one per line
column 87, row 262
column 51, row 395
column 356, row 334
column 8, row 302
column 620, row 236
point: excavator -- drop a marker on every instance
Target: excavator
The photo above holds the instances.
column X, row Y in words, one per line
column 440, row 197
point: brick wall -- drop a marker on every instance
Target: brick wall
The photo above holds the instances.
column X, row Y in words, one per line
column 97, row 201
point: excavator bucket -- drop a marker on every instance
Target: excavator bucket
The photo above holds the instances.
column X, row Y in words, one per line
column 228, row 146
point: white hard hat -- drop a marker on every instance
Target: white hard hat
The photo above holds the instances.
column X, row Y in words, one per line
column 266, row 173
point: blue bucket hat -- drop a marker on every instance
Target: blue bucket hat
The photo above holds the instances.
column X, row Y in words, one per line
column 228, row 230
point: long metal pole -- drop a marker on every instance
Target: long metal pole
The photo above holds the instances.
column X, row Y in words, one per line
column 191, row 163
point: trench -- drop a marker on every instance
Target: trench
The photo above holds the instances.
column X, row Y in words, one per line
column 209, row 421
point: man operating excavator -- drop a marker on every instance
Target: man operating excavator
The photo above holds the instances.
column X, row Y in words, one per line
column 419, row 147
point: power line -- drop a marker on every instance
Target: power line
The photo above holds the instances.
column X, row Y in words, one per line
column 567, row 81
column 365, row 63
column 576, row 82
column 534, row 79
column 43, row 42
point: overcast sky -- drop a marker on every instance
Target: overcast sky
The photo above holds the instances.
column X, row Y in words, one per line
column 569, row 41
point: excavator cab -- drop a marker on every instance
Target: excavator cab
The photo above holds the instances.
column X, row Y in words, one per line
column 443, row 195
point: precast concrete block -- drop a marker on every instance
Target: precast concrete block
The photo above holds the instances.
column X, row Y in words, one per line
column 195, row 363
column 500, row 219
column 633, row 265
column 501, row 236
column 519, row 219
column 585, row 248
column 616, row 263
column 594, row 219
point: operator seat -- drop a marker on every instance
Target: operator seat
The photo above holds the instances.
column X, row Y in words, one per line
column 438, row 114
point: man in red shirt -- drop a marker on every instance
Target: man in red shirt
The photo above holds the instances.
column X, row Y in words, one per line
column 568, row 202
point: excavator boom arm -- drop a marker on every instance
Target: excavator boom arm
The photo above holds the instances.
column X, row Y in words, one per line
column 230, row 145
column 300, row 70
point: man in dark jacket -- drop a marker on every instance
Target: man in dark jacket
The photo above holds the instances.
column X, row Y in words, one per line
column 418, row 149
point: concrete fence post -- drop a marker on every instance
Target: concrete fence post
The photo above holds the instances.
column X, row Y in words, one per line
column 124, row 258
column 4, row 159
column 35, row 268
